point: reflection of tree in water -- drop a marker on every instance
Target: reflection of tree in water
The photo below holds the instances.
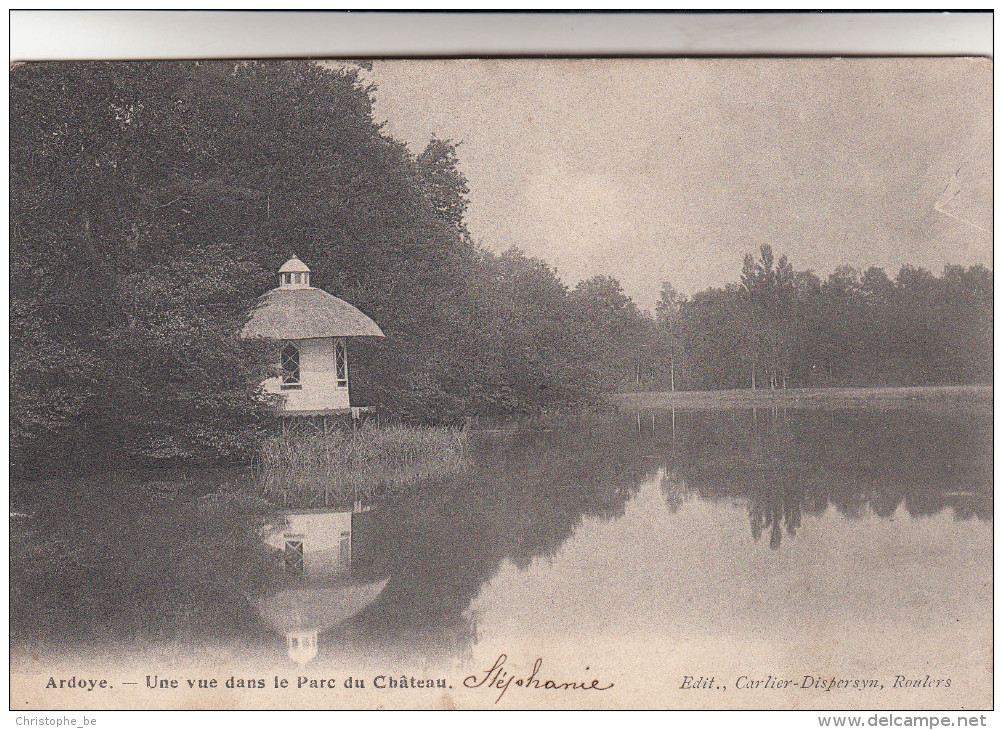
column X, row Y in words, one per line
column 161, row 559
column 165, row 562
column 138, row 556
column 673, row 488
column 776, row 510
column 525, row 496
column 780, row 482
column 785, row 464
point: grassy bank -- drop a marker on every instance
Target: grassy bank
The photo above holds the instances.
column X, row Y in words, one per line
column 947, row 396
column 344, row 467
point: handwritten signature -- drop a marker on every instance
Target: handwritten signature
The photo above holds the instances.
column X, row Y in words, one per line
column 497, row 677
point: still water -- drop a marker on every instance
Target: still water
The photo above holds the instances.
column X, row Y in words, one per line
column 698, row 542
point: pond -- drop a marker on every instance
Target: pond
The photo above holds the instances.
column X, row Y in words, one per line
column 775, row 553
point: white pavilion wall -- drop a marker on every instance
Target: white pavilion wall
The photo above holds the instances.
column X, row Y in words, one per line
column 326, row 538
column 318, row 377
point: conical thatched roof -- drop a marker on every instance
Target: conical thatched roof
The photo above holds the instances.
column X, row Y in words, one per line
column 289, row 313
column 319, row 608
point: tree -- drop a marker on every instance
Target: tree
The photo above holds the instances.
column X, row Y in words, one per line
column 715, row 324
column 856, row 328
column 769, row 295
column 612, row 328
column 152, row 202
column 109, row 308
column 667, row 318
column 526, row 351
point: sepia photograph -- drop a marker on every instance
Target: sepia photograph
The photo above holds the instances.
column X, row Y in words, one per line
column 502, row 383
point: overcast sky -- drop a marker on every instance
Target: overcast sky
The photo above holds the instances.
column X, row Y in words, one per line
column 671, row 170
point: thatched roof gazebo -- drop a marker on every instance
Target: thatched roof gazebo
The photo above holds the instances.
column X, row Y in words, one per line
column 314, row 328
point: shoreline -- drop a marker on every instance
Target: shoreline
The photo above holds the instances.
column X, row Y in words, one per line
column 937, row 396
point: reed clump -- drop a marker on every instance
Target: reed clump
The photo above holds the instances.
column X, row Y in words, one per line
column 343, row 467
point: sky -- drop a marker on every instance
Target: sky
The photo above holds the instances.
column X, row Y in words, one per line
column 673, row 169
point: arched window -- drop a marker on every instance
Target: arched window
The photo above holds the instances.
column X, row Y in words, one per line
column 294, row 557
column 290, row 366
column 341, row 363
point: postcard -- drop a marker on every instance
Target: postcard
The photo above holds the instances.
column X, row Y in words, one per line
column 592, row 383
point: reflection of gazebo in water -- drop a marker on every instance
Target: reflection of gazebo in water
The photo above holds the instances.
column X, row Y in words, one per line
column 317, row 551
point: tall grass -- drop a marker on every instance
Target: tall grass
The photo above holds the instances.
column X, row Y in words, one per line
column 342, row 468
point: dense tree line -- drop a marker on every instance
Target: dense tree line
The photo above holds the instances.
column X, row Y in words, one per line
column 780, row 328
column 151, row 203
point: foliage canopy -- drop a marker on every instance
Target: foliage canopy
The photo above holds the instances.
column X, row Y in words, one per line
column 152, row 202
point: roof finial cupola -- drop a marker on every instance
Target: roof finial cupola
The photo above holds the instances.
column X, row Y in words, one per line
column 294, row 274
